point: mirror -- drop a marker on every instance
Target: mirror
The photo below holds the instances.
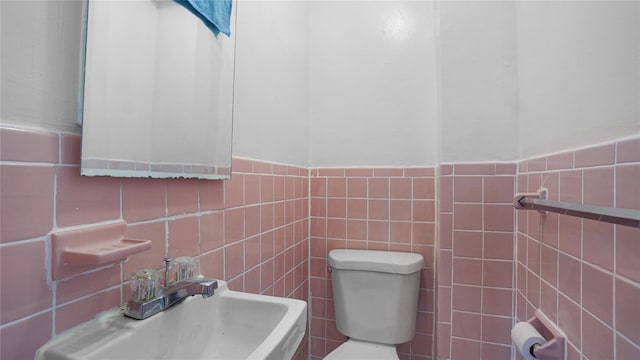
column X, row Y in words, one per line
column 157, row 92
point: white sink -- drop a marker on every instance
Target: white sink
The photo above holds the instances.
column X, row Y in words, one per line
column 228, row 325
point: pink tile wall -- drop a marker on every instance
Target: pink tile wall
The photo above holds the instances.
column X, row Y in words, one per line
column 585, row 275
column 251, row 231
column 475, row 261
column 371, row 208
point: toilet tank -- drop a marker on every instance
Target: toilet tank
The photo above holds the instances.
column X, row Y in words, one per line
column 376, row 294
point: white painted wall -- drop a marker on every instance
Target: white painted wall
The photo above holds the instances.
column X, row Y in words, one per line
column 270, row 119
column 356, row 83
column 373, row 83
column 578, row 73
column 40, row 51
column 477, row 59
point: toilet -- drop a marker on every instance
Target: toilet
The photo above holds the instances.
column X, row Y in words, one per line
column 376, row 301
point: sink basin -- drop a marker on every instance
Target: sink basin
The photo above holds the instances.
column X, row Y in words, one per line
column 228, row 325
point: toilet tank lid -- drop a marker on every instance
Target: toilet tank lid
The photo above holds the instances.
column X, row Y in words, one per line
column 372, row 260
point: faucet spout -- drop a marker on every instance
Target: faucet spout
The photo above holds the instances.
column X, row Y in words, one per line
column 181, row 290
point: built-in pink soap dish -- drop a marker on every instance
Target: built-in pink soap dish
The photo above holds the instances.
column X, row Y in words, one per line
column 79, row 250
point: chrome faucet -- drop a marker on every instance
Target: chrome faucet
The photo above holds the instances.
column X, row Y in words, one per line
column 169, row 295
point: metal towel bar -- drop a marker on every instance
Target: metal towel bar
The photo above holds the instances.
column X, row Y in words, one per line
column 536, row 201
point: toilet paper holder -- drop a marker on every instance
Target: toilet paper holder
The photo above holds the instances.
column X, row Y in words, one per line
column 555, row 346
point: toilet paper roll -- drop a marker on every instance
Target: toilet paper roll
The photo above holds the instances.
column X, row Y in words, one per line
column 524, row 336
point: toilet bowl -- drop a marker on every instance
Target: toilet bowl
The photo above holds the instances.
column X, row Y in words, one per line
column 376, row 301
column 355, row 350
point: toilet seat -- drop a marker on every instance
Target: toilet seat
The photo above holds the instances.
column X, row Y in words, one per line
column 361, row 350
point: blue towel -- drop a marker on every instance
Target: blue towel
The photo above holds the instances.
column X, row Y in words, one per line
column 216, row 14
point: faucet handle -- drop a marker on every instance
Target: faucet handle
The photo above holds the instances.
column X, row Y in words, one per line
column 144, row 284
column 185, row 268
